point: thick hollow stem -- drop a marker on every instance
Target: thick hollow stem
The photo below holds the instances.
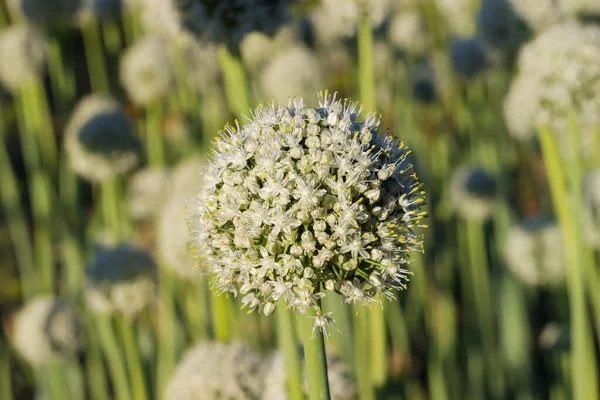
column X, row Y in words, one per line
column 134, row 362
column 289, row 345
column 116, row 365
column 314, row 354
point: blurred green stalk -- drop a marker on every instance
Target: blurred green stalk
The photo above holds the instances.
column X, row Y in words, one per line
column 289, row 345
column 237, row 89
column 167, row 346
column 16, row 222
column 132, row 358
column 362, row 351
column 566, row 196
column 220, row 319
column 94, row 55
column 109, row 193
column 111, row 348
column 154, row 140
column 314, row 355
column 5, row 379
column 342, row 340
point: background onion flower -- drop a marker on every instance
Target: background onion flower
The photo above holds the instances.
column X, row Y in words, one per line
column 539, row 14
column 25, row 47
column 534, row 252
column 500, row 26
column 469, row 57
column 146, row 70
column 306, row 200
column 121, row 279
column 147, row 192
column 295, row 71
column 341, row 385
column 472, row 192
column 558, row 76
column 44, row 330
column 216, row 371
column 408, row 32
column 100, row 139
column 229, row 21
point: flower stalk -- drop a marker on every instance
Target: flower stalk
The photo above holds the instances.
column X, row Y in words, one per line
column 314, row 353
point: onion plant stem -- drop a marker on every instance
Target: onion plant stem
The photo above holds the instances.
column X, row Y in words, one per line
column 316, row 361
column 289, row 345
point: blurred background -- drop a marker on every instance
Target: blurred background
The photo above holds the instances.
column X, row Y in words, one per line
column 108, row 107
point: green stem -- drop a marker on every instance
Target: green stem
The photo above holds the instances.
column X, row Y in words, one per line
column 378, row 346
column 5, row 380
column 62, row 87
column 235, row 81
column 366, row 79
column 583, row 364
column 342, row 341
column 194, row 307
column 110, row 206
column 94, row 56
column 314, row 354
column 167, row 346
column 156, row 151
column 132, row 357
column 220, row 319
column 362, row 339
column 56, row 381
column 289, row 343
column 15, row 218
column 111, row 348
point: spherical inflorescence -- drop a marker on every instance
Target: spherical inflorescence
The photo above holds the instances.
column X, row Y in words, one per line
column 45, row 330
column 121, row 280
column 538, row 14
column 304, row 200
column 216, row 371
column 472, row 192
column 534, row 252
column 557, row 76
column 148, row 192
column 25, row 47
column 500, row 26
column 100, row 139
column 229, row 21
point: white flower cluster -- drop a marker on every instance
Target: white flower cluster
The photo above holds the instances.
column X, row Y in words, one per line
column 306, row 200
column 23, row 51
column 100, row 139
column 580, row 7
column 472, row 192
column 45, row 330
column 557, row 76
column 148, row 192
column 121, row 280
column 146, row 70
column 590, row 210
column 295, row 71
column 229, row 21
column 341, row 385
column 458, row 14
column 534, row 252
column 216, row 371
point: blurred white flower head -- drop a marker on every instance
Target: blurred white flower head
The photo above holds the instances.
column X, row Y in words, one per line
column 305, row 200
column 45, row 330
column 459, row 15
column 147, row 192
column 100, row 139
column 121, row 280
column 534, row 252
column 408, row 32
column 215, row 370
column 293, row 72
column 23, row 51
column 146, row 70
column 558, row 75
column 341, row 384
column 472, row 193
column 580, row 8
